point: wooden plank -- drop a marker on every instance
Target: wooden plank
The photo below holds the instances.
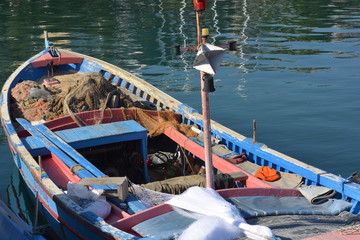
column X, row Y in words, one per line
column 59, row 153
column 54, row 149
column 239, row 176
column 218, row 162
column 71, row 135
column 103, row 181
column 93, row 135
column 127, row 131
column 60, row 143
column 121, row 183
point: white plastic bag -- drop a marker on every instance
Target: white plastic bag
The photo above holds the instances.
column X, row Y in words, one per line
column 89, row 199
column 99, row 207
column 80, row 191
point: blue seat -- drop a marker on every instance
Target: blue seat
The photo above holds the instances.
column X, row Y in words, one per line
column 91, row 136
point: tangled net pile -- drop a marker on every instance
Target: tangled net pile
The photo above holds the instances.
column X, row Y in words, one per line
column 31, row 102
column 156, row 125
column 149, row 197
column 90, row 91
column 81, row 92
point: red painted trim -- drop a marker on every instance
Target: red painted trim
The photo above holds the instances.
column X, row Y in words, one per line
column 40, row 198
column 127, row 223
column 64, row 58
column 219, row 163
column 92, row 117
column 58, row 172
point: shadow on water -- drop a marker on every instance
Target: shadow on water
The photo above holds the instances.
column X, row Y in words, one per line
column 22, row 203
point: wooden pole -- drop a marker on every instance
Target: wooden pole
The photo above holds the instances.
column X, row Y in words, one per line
column 36, row 212
column 254, row 131
column 198, row 28
column 206, row 117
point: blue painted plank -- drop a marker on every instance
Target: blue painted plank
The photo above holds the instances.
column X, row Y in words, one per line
column 51, row 136
column 61, row 154
column 55, row 150
column 94, row 135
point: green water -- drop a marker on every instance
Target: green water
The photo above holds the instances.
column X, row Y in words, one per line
column 296, row 70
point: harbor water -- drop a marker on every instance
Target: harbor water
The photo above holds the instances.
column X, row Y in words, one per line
column 296, row 69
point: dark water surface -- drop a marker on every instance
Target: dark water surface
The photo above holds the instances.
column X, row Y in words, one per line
column 296, row 71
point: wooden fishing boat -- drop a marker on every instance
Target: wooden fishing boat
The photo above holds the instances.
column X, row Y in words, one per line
column 87, row 146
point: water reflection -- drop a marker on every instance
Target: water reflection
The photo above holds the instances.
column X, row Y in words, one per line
column 19, row 199
column 312, row 45
column 22, row 204
column 215, row 22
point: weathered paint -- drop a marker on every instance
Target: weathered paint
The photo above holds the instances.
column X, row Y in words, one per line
column 47, row 189
column 74, row 218
column 47, row 59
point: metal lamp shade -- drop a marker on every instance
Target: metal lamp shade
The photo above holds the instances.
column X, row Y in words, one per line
column 208, row 58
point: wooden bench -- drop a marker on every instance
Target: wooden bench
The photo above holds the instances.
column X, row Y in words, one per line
column 44, row 141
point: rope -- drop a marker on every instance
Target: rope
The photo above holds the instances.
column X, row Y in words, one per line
column 75, row 168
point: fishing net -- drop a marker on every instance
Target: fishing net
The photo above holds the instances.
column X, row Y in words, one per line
column 74, row 93
column 155, row 193
column 178, row 185
column 79, row 92
column 30, row 101
column 90, row 93
column 156, row 125
column 149, row 197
